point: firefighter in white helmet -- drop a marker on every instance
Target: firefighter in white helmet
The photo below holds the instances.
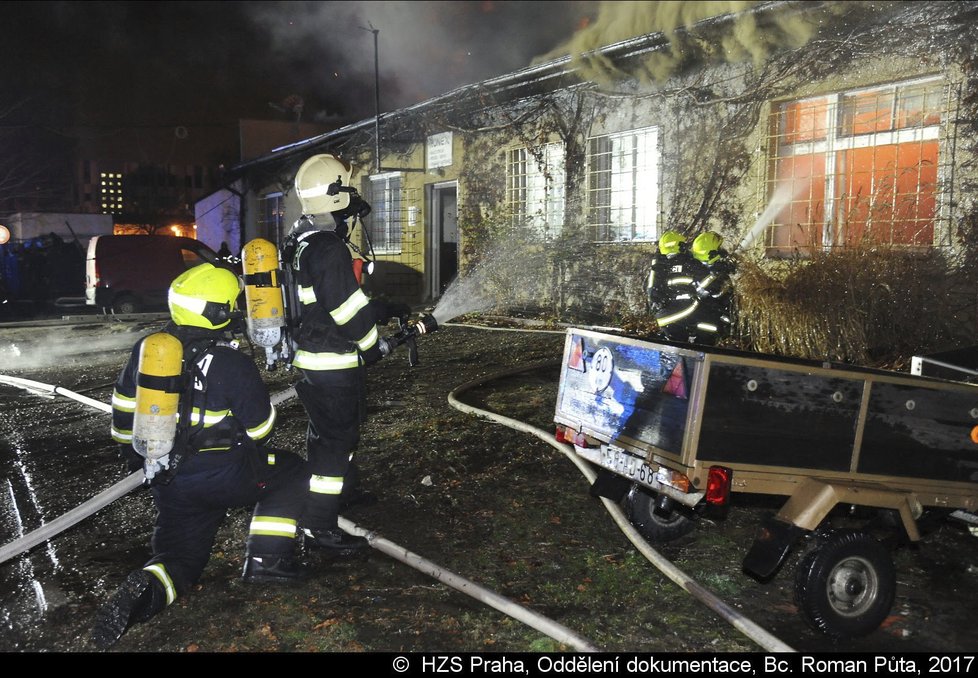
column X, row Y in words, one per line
column 216, row 460
column 338, row 337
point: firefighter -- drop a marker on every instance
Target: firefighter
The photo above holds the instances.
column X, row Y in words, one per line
column 671, row 288
column 214, row 460
column 713, row 288
column 337, row 338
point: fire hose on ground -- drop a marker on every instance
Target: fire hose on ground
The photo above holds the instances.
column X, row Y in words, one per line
column 754, row 632
column 532, row 619
column 128, row 484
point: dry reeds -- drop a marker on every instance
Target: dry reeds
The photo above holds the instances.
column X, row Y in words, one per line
column 863, row 305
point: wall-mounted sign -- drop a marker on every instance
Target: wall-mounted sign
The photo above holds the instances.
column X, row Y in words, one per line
column 439, row 150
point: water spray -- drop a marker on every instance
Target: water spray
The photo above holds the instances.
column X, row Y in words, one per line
column 781, row 197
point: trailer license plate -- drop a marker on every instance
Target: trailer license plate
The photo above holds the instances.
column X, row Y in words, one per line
column 621, row 463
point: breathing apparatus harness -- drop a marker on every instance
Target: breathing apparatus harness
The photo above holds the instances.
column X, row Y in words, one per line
column 273, row 307
column 189, row 384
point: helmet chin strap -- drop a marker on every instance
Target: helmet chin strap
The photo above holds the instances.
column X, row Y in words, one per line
column 307, row 222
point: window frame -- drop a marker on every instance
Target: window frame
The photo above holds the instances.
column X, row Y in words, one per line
column 271, row 224
column 645, row 221
column 389, row 212
column 837, row 141
column 543, row 188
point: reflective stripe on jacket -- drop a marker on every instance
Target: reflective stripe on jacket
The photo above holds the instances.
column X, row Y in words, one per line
column 339, row 321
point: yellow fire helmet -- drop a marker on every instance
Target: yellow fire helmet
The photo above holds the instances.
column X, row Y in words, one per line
column 671, row 242
column 706, row 247
column 322, row 184
column 203, row 296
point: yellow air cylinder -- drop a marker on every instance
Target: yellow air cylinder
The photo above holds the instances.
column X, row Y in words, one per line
column 154, row 427
column 263, row 293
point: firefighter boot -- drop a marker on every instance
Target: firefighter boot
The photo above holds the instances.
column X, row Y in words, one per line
column 352, row 497
column 271, row 568
column 140, row 597
column 336, row 543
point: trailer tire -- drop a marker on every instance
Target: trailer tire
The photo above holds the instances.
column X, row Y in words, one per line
column 656, row 526
column 845, row 586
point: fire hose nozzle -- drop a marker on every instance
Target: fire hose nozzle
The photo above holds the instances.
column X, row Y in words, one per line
column 407, row 334
column 426, row 323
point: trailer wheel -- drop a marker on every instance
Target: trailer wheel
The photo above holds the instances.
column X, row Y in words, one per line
column 654, row 523
column 845, row 587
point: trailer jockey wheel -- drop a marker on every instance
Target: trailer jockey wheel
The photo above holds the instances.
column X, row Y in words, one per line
column 655, row 524
column 846, row 585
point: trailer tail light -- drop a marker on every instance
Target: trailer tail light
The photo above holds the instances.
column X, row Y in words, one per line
column 673, row 479
column 718, row 485
column 560, row 436
column 569, row 435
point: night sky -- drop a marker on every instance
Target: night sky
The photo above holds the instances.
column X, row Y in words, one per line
column 119, row 64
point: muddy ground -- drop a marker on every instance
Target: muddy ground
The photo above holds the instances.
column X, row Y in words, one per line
column 492, row 504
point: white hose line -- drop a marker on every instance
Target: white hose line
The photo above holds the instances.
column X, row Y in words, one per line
column 551, row 628
column 99, row 501
column 45, row 389
column 508, row 607
column 754, row 632
column 75, row 515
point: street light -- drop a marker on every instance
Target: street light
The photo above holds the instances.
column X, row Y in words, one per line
column 376, row 31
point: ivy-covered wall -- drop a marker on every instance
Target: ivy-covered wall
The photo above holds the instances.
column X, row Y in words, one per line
column 710, row 105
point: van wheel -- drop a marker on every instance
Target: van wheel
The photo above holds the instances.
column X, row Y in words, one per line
column 657, row 524
column 125, row 305
column 845, row 587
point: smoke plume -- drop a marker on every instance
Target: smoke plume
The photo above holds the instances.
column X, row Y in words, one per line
column 742, row 38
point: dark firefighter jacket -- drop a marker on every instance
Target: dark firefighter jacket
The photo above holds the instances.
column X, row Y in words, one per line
column 230, row 399
column 338, row 329
column 671, row 288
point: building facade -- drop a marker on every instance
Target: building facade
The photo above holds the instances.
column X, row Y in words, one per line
column 841, row 126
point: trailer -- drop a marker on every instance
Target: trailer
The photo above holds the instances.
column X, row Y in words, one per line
column 676, row 428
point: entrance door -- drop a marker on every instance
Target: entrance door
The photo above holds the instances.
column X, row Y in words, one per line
column 443, row 259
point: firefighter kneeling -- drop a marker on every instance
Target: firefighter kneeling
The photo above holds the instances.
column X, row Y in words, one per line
column 220, row 414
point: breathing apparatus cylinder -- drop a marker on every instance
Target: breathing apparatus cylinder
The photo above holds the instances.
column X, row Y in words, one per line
column 158, row 388
column 263, row 295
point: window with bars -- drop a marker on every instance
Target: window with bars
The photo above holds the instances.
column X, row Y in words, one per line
column 535, row 188
column 857, row 167
column 385, row 223
column 271, row 214
column 623, row 185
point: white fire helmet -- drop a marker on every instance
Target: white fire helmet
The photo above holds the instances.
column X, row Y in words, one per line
column 317, row 183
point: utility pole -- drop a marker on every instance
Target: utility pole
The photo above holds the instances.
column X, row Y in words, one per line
column 376, row 31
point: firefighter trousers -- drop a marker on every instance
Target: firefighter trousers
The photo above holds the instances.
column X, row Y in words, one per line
column 193, row 505
column 335, row 402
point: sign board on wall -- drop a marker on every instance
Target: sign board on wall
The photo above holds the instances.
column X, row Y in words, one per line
column 439, row 150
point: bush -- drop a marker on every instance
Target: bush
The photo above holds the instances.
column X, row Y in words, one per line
column 864, row 305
